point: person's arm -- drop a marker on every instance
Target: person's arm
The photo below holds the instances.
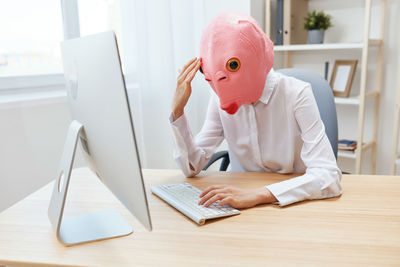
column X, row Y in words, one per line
column 322, row 177
column 322, row 180
column 192, row 154
column 236, row 197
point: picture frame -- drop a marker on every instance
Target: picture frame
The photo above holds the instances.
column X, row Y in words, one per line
column 342, row 77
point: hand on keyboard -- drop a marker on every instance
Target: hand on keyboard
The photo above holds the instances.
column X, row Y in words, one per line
column 236, row 197
column 185, row 197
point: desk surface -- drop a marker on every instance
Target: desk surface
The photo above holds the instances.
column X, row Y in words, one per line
column 361, row 227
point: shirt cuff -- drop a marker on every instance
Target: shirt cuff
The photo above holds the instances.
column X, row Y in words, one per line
column 278, row 191
column 182, row 125
column 182, row 134
column 179, row 121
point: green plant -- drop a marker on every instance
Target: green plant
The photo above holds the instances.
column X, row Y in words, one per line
column 317, row 21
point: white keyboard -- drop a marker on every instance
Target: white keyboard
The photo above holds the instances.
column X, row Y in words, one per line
column 185, row 197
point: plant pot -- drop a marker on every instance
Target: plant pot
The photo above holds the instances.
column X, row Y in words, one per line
column 316, row 36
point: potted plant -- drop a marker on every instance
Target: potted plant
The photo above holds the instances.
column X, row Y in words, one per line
column 316, row 23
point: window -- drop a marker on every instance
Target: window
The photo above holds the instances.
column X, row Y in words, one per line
column 30, row 36
column 98, row 16
column 31, row 33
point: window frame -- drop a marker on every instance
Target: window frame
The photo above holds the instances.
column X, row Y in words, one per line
column 70, row 22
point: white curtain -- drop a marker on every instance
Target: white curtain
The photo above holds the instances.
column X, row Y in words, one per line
column 158, row 38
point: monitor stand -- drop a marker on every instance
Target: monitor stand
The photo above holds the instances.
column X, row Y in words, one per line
column 88, row 227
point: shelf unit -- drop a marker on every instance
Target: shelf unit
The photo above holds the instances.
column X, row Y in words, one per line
column 331, row 46
column 396, row 155
column 357, row 101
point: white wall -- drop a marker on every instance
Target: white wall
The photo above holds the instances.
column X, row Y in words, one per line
column 348, row 27
column 32, row 134
column 32, row 137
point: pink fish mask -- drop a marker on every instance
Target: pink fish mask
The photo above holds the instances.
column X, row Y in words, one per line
column 236, row 57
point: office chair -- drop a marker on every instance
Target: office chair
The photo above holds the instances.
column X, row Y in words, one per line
column 326, row 106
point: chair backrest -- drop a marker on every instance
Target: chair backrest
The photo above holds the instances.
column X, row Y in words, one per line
column 324, row 98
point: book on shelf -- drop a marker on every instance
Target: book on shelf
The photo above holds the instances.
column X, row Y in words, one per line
column 276, row 22
column 348, row 145
column 294, row 12
column 286, row 21
column 279, row 23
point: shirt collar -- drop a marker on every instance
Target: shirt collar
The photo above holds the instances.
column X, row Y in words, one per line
column 270, row 83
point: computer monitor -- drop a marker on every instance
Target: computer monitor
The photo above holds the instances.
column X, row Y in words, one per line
column 102, row 123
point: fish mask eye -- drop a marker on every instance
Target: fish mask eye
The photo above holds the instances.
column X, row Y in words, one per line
column 233, row 64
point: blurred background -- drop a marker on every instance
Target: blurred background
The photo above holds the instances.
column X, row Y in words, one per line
column 156, row 38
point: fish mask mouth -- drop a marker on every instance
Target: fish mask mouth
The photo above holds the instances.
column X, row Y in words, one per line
column 236, row 59
column 231, row 108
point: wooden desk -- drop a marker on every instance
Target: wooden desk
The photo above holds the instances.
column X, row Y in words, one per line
column 362, row 227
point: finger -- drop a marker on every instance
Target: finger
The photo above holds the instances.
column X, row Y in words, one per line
column 187, row 65
column 190, row 76
column 209, row 195
column 185, row 72
column 227, row 200
column 208, row 189
column 217, row 197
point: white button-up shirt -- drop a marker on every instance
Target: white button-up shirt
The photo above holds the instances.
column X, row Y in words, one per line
column 282, row 132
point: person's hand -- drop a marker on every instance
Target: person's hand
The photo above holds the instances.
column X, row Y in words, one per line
column 236, row 197
column 183, row 87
